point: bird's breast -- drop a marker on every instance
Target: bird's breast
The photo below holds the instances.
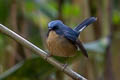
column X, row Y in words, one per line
column 60, row 46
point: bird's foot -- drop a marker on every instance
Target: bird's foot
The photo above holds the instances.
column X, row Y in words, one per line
column 64, row 66
column 47, row 56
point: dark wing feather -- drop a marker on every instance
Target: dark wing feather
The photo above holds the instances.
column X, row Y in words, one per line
column 71, row 35
column 74, row 39
column 79, row 44
column 84, row 24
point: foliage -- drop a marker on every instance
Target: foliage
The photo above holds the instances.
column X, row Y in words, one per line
column 32, row 17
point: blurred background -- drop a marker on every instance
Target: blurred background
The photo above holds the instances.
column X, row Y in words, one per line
column 29, row 18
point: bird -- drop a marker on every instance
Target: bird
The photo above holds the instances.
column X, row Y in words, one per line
column 63, row 41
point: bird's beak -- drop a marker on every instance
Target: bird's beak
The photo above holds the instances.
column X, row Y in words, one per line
column 50, row 28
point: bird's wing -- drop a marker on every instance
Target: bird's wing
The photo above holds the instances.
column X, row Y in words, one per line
column 71, row 35
column 75, row 41
column 82, row 48
column 84, row 24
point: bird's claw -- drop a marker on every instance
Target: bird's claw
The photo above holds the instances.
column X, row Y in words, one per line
column 47, row 56
column 64, row 66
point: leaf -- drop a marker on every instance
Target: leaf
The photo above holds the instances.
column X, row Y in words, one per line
column 44, row 8
column 116, row 17
column 4, row 10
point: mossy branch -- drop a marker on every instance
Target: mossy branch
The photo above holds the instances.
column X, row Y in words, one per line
column 40, row 52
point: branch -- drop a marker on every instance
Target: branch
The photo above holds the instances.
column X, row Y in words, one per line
column 40, row 52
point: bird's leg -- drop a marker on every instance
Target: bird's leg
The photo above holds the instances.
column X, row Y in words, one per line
column 64, row 66
column 66, row 63
column 47, row 56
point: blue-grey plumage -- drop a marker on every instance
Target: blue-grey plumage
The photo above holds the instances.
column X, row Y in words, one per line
column 63, row 41
column 84, row 24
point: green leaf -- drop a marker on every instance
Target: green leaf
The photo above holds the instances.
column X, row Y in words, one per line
column 70, row 10
column 116, row 17
column 4, row 10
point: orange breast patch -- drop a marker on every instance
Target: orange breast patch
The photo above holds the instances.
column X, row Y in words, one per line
column 60, row 46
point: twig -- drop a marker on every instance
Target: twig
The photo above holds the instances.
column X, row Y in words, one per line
column 40, row 52
column 11, row 70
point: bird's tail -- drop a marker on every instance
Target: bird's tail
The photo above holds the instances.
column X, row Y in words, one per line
column 84, row 24
column 81, row 47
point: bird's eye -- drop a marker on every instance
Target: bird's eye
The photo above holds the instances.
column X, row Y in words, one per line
column 55, row 27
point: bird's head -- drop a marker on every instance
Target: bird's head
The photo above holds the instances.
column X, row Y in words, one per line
column 53, row 25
